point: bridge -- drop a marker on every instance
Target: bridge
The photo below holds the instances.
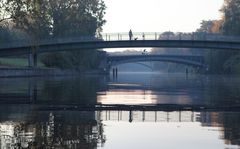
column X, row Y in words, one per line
column 119, row 40
column 148, row 116
column 195, row 61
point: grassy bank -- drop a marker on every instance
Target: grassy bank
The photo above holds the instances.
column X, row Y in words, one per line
column 17, row 62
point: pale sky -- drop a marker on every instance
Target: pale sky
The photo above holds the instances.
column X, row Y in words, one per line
column 159, row 15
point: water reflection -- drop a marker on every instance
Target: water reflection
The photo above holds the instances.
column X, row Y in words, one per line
column 23, row 125
column 127, row 89
column 172, row 89
column 62, row 129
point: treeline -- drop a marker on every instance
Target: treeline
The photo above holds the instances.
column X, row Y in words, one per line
column 40, row 19
column 175, row 67
column 224, row 61
column 218, row 61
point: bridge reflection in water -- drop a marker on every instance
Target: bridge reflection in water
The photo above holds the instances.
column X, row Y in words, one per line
column 65, row 128
column 29, row 128
column 148, row 116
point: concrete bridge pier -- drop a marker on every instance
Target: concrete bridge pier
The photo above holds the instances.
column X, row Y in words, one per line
column 32, row 59
column 115, row 72
column 32, row 91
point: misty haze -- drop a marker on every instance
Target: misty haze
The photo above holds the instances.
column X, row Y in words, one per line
column 106, row 74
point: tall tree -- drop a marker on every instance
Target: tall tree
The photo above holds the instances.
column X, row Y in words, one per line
column 77, row 17
column 74, row 18
column 31, row 16
column 231, row 26
column 206, row 26
column 231, row 16
column 58, row 19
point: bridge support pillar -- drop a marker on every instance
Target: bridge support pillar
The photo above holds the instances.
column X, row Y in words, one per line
column 115, row 72
column 32, row 59
column 32, row 91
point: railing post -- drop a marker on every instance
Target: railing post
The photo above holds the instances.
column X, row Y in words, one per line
column 109, row 38
column 192, row 35
column 180, row 36
column 130, row 116
column 192, row 116
column 155, row 36
column 180, row 117
column 205, row 36
column 118, row 36
column 143, row 116
column 155, row 116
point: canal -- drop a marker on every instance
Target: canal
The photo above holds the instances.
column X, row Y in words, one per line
column 142, row 110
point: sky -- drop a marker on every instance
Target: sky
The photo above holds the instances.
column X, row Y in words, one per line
column 159, row 15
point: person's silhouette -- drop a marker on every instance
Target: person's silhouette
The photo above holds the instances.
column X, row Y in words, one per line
column 130, row 34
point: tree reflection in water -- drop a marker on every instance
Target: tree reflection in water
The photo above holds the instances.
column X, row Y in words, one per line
column 22, row 127
column 75, row 129
column 230, row 123
column 53, row 130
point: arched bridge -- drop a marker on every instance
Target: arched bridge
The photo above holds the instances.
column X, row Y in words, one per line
column 196, row 61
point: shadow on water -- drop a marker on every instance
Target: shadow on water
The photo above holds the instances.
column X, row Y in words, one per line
column 70, row 112
column 140, row 89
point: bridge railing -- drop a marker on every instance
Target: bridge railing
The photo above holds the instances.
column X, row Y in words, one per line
column 120, row 37
column 148, row 116
column 168, row 36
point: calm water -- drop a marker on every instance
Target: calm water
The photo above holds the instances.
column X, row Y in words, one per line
column 34, row 112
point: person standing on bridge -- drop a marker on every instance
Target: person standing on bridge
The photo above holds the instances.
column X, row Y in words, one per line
column 130, row 35
column 143, row 36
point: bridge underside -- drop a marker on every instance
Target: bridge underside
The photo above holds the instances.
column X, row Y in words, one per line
column 190, row 62
column 80, row 45
column 33, row 50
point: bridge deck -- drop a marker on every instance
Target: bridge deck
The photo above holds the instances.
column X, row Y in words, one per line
column 121, row 40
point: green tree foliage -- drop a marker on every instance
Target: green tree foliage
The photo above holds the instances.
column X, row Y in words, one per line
column 206, row 26
column 42, row 19
column 221, row 61
column 77, row 17
column 30, row 16
column 61, row 18
column 73, row 19
column 231, row 26
column 213, row 58
column 231, row 16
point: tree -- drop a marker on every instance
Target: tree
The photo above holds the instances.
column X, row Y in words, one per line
column 42, row 19
column 231, row 17
column 215, row 59
column 77, row 17
column 3, row 13
column 206, row 26
column 231, row 26
column 30, row 16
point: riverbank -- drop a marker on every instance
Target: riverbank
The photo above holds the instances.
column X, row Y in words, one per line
column 36, row 72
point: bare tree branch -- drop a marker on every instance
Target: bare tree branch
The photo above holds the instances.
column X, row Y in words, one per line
column 1, row 20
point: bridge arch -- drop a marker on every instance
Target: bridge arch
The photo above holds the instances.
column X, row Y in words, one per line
column 194, row 61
